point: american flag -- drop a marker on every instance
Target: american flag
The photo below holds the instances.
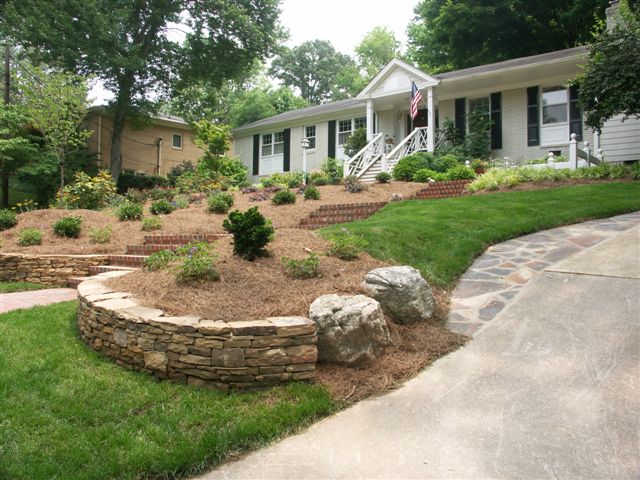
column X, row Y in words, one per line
column 416, row 99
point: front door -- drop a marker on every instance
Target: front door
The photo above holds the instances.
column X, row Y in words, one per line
column 422, row 120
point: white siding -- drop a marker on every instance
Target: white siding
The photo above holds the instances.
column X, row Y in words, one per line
column 243, row 149
column 620, row 141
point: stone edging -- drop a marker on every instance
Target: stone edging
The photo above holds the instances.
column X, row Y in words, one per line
column 193, row 350
column 53, row 270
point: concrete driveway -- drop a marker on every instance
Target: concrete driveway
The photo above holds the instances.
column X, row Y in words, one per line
column 550, row 389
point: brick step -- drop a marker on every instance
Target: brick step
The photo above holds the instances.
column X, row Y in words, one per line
column 149, row 249
column 126, row 260
column 171, row 239
column 351, row 205
column 333, row 219
column 73, row 282
column 344, row 213
column 109, row 268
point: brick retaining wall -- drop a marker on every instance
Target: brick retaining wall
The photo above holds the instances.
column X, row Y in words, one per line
column 223, row 355
column 446, row 189
column 53, row 270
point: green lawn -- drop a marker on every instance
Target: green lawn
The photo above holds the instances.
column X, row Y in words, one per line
column 67, row 413
column 10, row 287
column 442, row 237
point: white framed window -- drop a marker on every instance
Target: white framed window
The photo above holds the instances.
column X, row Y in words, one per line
column 480, row 105
column 555, row 116
column 348, row 126
column 271, row 153
column 310, row 134
column 176, row 141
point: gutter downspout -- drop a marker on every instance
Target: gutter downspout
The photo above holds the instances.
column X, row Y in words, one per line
column 159, row 161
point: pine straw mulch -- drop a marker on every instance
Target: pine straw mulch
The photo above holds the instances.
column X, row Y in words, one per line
column 194, row 219
column 259, row 289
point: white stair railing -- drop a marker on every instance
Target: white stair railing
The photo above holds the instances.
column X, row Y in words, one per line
column 576, row 152
column 416, row 141
column 361, row 161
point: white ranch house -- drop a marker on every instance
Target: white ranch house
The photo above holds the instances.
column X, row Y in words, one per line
column 533, row 112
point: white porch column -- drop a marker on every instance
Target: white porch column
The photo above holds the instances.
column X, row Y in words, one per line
column 369, row 120
column 431, row 128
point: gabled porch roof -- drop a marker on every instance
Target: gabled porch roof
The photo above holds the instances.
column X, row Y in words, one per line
column 396, row 78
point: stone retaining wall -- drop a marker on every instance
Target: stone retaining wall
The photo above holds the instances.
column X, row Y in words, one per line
column 223, row 355
column 52, row 270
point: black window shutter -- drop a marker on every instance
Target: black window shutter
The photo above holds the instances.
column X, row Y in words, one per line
column 575, row 113
column 496, row 120
column 533, row 117
column 331, row 141
column 286, row 161
column 256, row 154
column 461, row 117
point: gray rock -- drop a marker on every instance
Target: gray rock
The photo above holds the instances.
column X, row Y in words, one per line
column 352, row 329
column 404, row 295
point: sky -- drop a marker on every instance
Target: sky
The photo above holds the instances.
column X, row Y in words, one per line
column 343, row 22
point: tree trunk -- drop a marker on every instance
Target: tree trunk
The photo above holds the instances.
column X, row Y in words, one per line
column 115, row 163
column 5, row 188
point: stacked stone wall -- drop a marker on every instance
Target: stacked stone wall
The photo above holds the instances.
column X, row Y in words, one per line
column 53, row 270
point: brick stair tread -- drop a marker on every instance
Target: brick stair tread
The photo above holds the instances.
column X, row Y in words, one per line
column 126, row 260
column 73, row 282
column 151, row 248
column 176, row 239
column 110, row 268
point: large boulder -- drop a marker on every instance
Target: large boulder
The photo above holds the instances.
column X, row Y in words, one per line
column 404, row 295
column 352, row 329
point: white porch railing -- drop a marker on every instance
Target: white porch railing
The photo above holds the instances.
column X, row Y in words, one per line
column 361, row 161
column 416, row 141
column 575, row 152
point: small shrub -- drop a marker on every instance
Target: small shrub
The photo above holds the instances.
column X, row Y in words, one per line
column 136, row 195
column 460, row 172
column 181, row 201
column 311, row 193
column 8, row 219
column 129, row 210
column 407, row 167
column 194, row 182
column 445, row 163
column 151, row 223
column 353, row 185
column 158, row 260
column 333, row 169
column 220, row 202
column 87, row 192
column 68, row 227
column 383, row 177
column 318, row 179
column 100, row 234
column 197, row 262
column 424, row 175
column 288, row 179
column 251, row 233
column 303, row 268
column 162, row 193
column 634, row 171
column 29, row 237
column 175, row 172
column 127, row 181
column 346, row 246
column 161, row 207
column 284, row 197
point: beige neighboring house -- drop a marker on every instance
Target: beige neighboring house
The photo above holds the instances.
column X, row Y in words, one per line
column 153, row 150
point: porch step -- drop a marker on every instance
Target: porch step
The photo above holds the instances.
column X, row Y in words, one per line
column 149, row 249
column 73, row 282
column 109, row 268
column 170, row 239
column 133, row 261
column 447, row 189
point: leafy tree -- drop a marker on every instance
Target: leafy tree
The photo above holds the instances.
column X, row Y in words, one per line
column 446, row 35
column 610, row 82
column 56, row 105
column 259, row 103
column 16, row 148
column 131, row 46
column 376, row 49
column 312, row 68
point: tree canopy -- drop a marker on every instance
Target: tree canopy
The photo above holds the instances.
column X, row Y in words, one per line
column 136, row 48
column 610, row 82
column 446, row 35
column 376, row 49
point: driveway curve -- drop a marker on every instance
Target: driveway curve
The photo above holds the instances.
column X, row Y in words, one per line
column 549, row 387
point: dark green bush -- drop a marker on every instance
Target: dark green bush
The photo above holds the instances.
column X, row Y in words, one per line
column 8, row 219
column 383, row 177
column 161, row 207
column 356, row 142
column 220, row 202
column 284, row 197
column 29, row 237
column 318, row 178
column 311, row 193
column 175, row 172
column 346, row 246
column 68, row 227
column 460, row 172
column 129, row 210
column 333, row 169
column 445, row 162
column 162, row 193
column 353, row 185
column 251, row 233
column 407, row 167
column 143, row 182
column 424, row 174
column 303, row 268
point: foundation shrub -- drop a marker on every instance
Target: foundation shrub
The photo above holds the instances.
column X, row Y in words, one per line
column 333, row 169
column 284, row 197
column 220, row 202
column 129, row 210
column 161, row 207
column 29, row 237
column 446, row 162
column 311, row 193
column 407, row 167
column 303, row 268
column 8, row 219
column 425, row 174
column 100, row 234
column 251, row 233
column 318, row 179
column 460, row 172
column 68, row 227
column 383, row 177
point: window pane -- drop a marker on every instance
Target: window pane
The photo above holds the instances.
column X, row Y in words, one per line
column 177, row 141
column 278, row 137
column 310, row 131
column 266, row 150
column 360, row 122
column 554, row 114
column 266, row 139
column 344, row 126
column 554, row 97
column 312, row 142
column 278, row 148
column 479, row 104
column 342, row 137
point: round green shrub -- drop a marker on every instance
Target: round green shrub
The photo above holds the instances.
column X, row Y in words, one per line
column 424, row 174
column 383, row 177
column 68, row 227
column 352, row 184
column 220, row 202
column 8, row 219
column 160, row 193
column 320, row 181
column 100, row 234
column 162, row 207
column 284, row 197
column 129, row 210
column 460, row 172
column 445, row 162
column 151, row 223
column 407, row 167
column 29, row 237
column 251, row 233
column 311, row 193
